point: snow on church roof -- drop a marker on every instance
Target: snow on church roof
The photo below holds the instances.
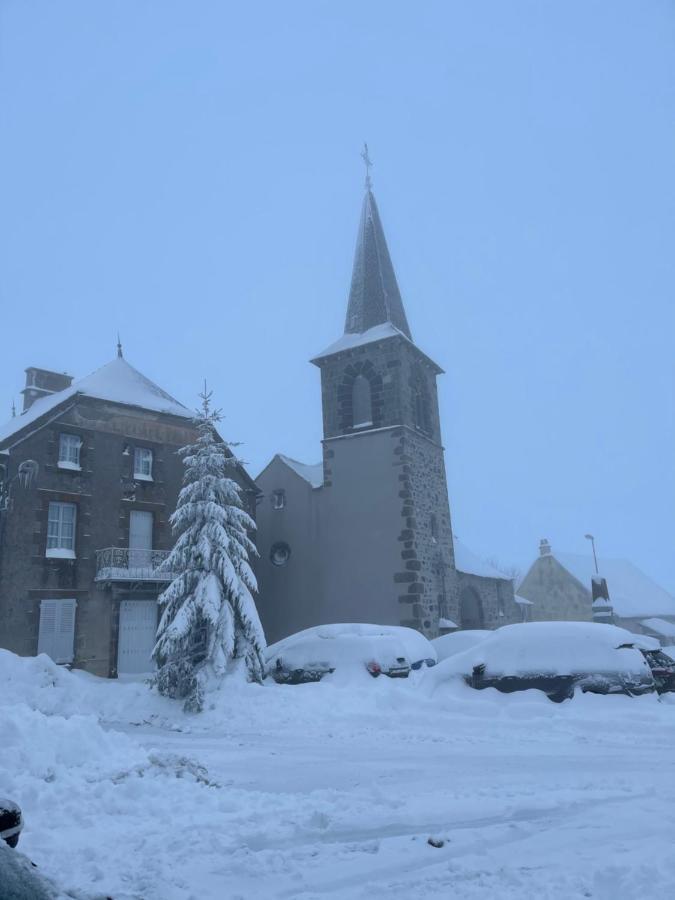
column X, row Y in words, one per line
column 117, row 382
column 631, row 592
column 311, row 473
column 466, row 561
column 350, row 340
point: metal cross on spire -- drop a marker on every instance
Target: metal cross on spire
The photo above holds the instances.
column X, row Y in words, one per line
column 119, row 346
column 368, row 164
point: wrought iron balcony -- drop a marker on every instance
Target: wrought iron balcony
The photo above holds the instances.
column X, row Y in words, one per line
column 125, row 564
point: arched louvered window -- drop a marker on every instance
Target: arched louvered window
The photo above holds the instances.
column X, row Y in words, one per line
column 362, row 407
column 421, row 406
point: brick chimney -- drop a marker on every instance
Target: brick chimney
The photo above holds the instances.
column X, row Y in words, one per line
column 41, row 383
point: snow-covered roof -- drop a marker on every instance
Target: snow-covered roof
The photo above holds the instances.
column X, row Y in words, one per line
column 447, row 623
column 660, row 626
column 631, row 592
column 349, row 341
column 522, row 600
column 466, row 561
column 311, row 473
column 117, row 381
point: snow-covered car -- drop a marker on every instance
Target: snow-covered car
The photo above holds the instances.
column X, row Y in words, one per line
column 663, row 669
column 379, row 649
column 556, row 658
column 419, row 650
column 457, row 642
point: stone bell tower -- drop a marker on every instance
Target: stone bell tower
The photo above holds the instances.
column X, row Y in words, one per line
column 386, row 536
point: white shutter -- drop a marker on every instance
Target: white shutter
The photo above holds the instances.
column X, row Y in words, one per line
column 56, row 636
column 47, row 633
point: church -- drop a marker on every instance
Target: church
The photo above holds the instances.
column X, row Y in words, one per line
column 366, row 534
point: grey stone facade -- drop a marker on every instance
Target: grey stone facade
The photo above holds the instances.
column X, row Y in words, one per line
column 556, row 596
column 104, row 492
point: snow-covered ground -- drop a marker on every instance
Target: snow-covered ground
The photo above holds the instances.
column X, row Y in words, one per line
column 333, row 789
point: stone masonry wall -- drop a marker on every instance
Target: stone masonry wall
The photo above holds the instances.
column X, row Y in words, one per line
column 427, row 578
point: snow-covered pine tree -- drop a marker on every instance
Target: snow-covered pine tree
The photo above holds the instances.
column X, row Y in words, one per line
column 210, row 623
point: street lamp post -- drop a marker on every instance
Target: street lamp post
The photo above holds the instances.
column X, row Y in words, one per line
column 589, row 537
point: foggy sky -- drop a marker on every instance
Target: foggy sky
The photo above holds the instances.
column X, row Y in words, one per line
column 189, row 173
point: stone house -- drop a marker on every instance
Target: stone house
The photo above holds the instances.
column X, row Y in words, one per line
column 365, row 535
column 559, row 587
column 89, row 477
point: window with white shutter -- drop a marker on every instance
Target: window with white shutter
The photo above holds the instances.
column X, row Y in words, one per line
column 56, row 636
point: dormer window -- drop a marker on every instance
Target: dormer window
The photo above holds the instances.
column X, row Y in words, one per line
column 143, row 464
column 69, row 451
column 278, row 499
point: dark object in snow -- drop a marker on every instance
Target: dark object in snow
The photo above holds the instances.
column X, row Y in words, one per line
column 11, row 822
column 663, row 669
column 436, row 842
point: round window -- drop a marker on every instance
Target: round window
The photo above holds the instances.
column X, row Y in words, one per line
column 280, row 554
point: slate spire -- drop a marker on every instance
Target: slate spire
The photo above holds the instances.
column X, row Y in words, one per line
column 374, row 297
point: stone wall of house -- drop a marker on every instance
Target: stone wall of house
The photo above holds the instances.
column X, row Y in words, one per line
column 555, row 594
column 496, row 606
column 104, row 493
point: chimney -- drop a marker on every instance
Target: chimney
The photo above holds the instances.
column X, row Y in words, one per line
column 544, row 547
column 42, row 383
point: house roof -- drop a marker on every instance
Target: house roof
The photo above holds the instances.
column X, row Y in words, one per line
column 660, row 626
column 117, row 381
column 313, row 473
column 374, row 296
column 467, row 562
column 631, row 592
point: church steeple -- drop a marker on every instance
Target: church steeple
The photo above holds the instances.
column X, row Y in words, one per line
column 374, row 297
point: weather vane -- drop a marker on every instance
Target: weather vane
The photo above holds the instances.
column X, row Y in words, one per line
column 368, row 164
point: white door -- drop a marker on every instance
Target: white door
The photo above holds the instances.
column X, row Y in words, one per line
column 138, row 627
column 140, row 539
column 56, row 633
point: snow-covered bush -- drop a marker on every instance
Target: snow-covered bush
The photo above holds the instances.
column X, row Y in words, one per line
column 210, row 625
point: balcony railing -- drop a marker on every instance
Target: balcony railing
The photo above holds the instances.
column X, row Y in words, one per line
column 124, row 564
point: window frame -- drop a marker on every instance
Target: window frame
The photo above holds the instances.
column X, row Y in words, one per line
column 142, row 454
column 279, row 499
column 64, row 548
column 75, row 441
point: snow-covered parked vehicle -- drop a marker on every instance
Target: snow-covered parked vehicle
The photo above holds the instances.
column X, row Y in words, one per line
column 556, row 658
column 419, row 650
column 377, row 649
column 457, row 642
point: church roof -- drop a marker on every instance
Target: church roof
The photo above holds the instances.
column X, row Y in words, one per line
column 469, row 563
column 117, row 382
column 374, row 297
column 313, row 473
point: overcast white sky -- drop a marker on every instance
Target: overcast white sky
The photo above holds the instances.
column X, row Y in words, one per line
column 189, row 173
